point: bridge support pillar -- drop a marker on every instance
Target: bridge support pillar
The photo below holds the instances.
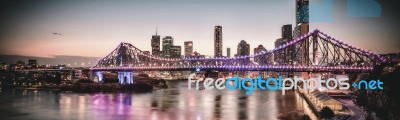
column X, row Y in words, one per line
column 96, row 76
column 125, row 77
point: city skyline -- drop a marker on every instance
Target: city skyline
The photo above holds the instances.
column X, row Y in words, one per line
column 36, row 37
column 199, row 59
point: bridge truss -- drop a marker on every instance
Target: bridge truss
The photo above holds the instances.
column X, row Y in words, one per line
column 315, row 51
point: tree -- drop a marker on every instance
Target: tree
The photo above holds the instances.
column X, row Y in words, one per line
column 369, row 116
column 362, row 98
column 305, row 117
column 326, row 112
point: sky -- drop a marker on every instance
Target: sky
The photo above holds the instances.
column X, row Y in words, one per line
column 94, row 28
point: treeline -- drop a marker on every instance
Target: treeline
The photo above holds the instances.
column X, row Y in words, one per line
column 384, row 104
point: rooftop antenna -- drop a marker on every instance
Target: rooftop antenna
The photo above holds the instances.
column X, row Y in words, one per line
column 156, row 29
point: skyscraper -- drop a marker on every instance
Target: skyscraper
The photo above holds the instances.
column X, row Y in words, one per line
column 302, row 28
column 289, row 51
column 155, row 44
column 167, row 43
column 228, row 52
column 175, row 51
column 218, row 41
column 279, row 42
column 302, row 18
column 258, row 49
column 302, row 14
column 298, row 31
column 284, row 56
column 188, row 48
column 243, row 48
column 287, row 31
column 279, row 56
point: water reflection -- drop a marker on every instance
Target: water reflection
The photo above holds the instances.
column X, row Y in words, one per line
column 174, row 103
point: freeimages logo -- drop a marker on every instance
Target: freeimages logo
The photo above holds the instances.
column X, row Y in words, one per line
column 271, row 83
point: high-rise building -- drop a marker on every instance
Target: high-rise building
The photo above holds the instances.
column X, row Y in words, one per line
column 155, row 44
column 303, row 54
column 228, row 52
column 175, row 51
column 243, row 49
column 302, row 18
column 280, row 55
column 287, row 31
column 258, row 49
column 288, row 53
column 285, row 55
column 188, row 48
column 145, row 58
column 302, row 28
column 279, row 42
column 167, row 43
column 218, row 41
column 302, row 14
column 195, row 54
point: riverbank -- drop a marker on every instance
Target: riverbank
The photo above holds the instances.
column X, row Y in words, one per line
column 317, row 100
column 314, row 109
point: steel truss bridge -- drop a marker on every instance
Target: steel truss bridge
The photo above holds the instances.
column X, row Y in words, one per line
column 312, row 52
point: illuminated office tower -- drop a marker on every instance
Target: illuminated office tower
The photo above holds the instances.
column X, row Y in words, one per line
column 218, row 41
column 188, row 48
column 155, row 44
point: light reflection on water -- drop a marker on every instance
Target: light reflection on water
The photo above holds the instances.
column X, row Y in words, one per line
column 174, row 103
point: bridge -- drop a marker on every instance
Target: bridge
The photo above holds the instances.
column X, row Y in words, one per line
column 313, row 52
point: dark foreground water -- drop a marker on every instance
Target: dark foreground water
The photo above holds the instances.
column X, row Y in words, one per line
column 174, row 103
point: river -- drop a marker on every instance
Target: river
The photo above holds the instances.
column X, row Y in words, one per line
column 176, row 102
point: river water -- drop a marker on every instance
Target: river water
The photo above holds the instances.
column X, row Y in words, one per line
column 174, row 103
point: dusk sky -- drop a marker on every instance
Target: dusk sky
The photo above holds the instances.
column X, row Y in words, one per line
column 95, row 28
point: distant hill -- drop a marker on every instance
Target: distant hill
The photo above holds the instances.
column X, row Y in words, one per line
column 74, row 61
